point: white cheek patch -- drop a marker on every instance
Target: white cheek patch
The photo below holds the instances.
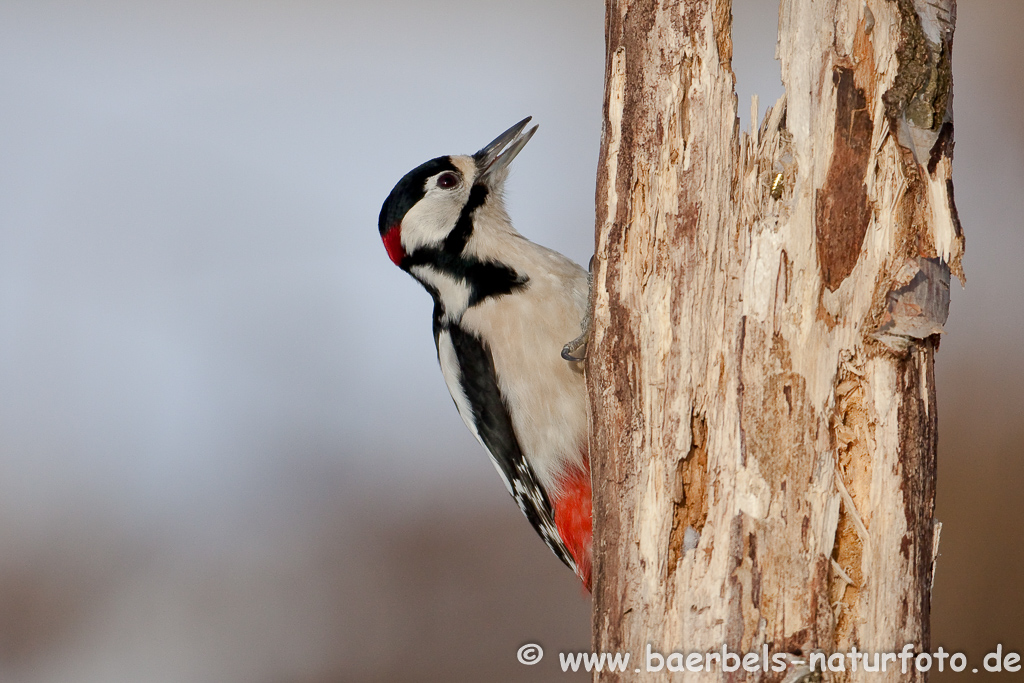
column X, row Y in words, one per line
column 430, row 221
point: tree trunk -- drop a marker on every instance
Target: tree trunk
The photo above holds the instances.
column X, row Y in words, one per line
column 767, row 311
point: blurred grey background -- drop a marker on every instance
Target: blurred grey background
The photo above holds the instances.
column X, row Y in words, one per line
column 226, row 452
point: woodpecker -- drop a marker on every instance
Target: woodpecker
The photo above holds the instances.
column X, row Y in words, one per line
column 504, row 308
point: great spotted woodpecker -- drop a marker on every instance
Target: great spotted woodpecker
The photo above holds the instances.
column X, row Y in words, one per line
column 503, row 309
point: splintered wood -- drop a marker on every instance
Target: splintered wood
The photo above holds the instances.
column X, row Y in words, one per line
column 767, row 308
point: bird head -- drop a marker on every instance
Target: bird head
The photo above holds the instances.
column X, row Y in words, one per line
column 431, row 208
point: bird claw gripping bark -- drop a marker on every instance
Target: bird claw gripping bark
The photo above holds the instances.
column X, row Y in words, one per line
column 576, row 350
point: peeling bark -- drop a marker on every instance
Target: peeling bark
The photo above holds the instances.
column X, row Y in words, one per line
column 766, row 314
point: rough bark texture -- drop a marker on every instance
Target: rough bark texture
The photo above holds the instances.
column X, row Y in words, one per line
column 766, row 317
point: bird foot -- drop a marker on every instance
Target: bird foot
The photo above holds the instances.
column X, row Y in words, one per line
column 576, row 350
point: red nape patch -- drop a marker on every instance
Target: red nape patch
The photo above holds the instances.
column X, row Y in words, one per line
column 393, row 243
column 573, row 519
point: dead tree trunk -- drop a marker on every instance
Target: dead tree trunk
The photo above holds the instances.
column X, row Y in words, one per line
column 768, row 307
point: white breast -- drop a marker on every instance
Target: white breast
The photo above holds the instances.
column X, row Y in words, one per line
column 526, row 331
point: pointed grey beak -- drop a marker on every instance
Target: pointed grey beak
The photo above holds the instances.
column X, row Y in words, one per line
column 496, row 156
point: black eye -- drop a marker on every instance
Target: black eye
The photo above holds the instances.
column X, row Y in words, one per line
column 447, row 180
